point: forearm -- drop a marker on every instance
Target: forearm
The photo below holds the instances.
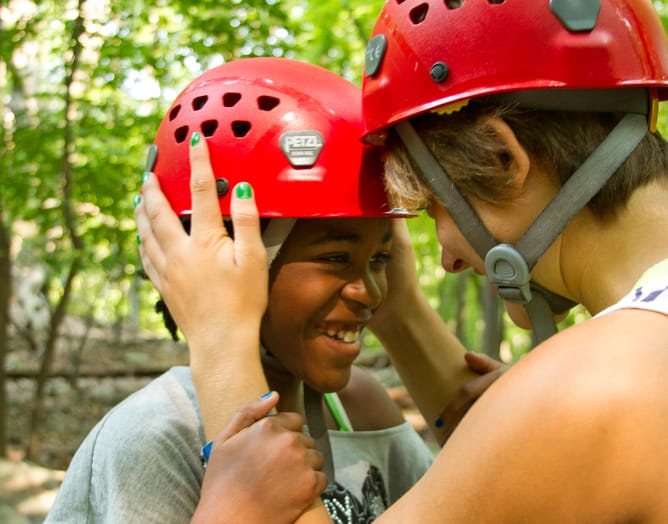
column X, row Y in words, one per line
column 225, row 379
column 427, row 356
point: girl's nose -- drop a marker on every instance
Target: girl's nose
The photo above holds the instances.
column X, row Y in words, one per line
column 364, row 290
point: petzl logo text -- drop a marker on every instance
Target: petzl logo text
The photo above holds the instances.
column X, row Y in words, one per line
column 301, row 148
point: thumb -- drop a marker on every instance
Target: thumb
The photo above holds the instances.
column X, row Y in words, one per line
column 247, row 414
column 481, row 363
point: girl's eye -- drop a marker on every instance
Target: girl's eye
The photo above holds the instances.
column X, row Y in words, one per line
column 381, row 258
column 335, row 258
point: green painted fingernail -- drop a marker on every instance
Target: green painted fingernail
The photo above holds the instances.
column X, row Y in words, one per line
column 195, row 138
column 138, row 240
column 244, row 190
column 144, row 176
column 137, row 199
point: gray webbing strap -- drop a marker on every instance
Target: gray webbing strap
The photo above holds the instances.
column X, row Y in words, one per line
column 317, row 426
column 517, row 261
column 439, row 182
column 581, row 187
column 542, row 319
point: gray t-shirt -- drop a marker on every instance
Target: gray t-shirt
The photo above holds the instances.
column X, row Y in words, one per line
column 140, row 463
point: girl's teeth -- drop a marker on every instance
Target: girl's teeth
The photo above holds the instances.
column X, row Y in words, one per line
column 346, row 336
column 350, row 336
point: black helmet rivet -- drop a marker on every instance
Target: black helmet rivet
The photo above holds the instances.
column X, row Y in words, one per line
column 222, row 186
column 439, row 72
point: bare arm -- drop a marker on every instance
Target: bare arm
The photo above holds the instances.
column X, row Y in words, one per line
column 427, row 356
column 215, row 288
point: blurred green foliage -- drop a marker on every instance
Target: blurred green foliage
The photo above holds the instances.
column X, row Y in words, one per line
column 136, row 56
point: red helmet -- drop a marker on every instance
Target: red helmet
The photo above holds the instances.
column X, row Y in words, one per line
column 290, row 128
column 428, row 53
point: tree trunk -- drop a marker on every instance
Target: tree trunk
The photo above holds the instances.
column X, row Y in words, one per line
column 460, row 301
column 5, row 294
column 37, row 414
column 492, row 312
column 69, row 218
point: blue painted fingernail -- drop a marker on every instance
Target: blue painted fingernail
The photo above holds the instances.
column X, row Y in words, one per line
column 438, row 422
column 136, row 200
column 195, row 138
column 266, row 395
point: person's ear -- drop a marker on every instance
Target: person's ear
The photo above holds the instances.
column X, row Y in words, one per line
column 518, row 167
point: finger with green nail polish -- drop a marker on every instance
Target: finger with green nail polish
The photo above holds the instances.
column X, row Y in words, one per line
column 244, row 190
column 195, row 139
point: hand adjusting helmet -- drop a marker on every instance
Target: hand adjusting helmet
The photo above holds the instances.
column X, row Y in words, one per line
column 591, row 55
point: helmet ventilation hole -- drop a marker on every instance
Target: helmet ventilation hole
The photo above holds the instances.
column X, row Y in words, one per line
column 418, row 13
column 230, row 99
column 267, row 103
column 174, row 112
column 209, row 127
column 456, row 4
column 240, row 128
column 199, row 102
column 180, row 134
column 496, row 1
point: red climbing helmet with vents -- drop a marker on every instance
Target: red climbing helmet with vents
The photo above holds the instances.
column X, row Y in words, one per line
column 430, row 53
column 291, row 129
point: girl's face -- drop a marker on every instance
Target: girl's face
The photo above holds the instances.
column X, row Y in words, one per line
column 324, row 287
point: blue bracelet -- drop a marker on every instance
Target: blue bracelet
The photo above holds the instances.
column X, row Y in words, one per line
column 205, row 453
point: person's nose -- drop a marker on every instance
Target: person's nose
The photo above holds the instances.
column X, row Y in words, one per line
column 365, row 289
column 451, row 263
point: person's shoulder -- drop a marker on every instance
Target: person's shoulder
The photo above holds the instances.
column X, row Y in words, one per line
column 367, row 403
column 170, row 393
column 150, row 438
column 619, row 358
column 607, row 351
column 152, row 417
column 584, row 410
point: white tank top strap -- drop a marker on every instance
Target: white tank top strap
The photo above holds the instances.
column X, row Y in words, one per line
column 649, row 293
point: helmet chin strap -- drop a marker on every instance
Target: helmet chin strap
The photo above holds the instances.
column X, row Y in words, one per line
column 509, row 267
column 274, row 235
column 314, row 414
